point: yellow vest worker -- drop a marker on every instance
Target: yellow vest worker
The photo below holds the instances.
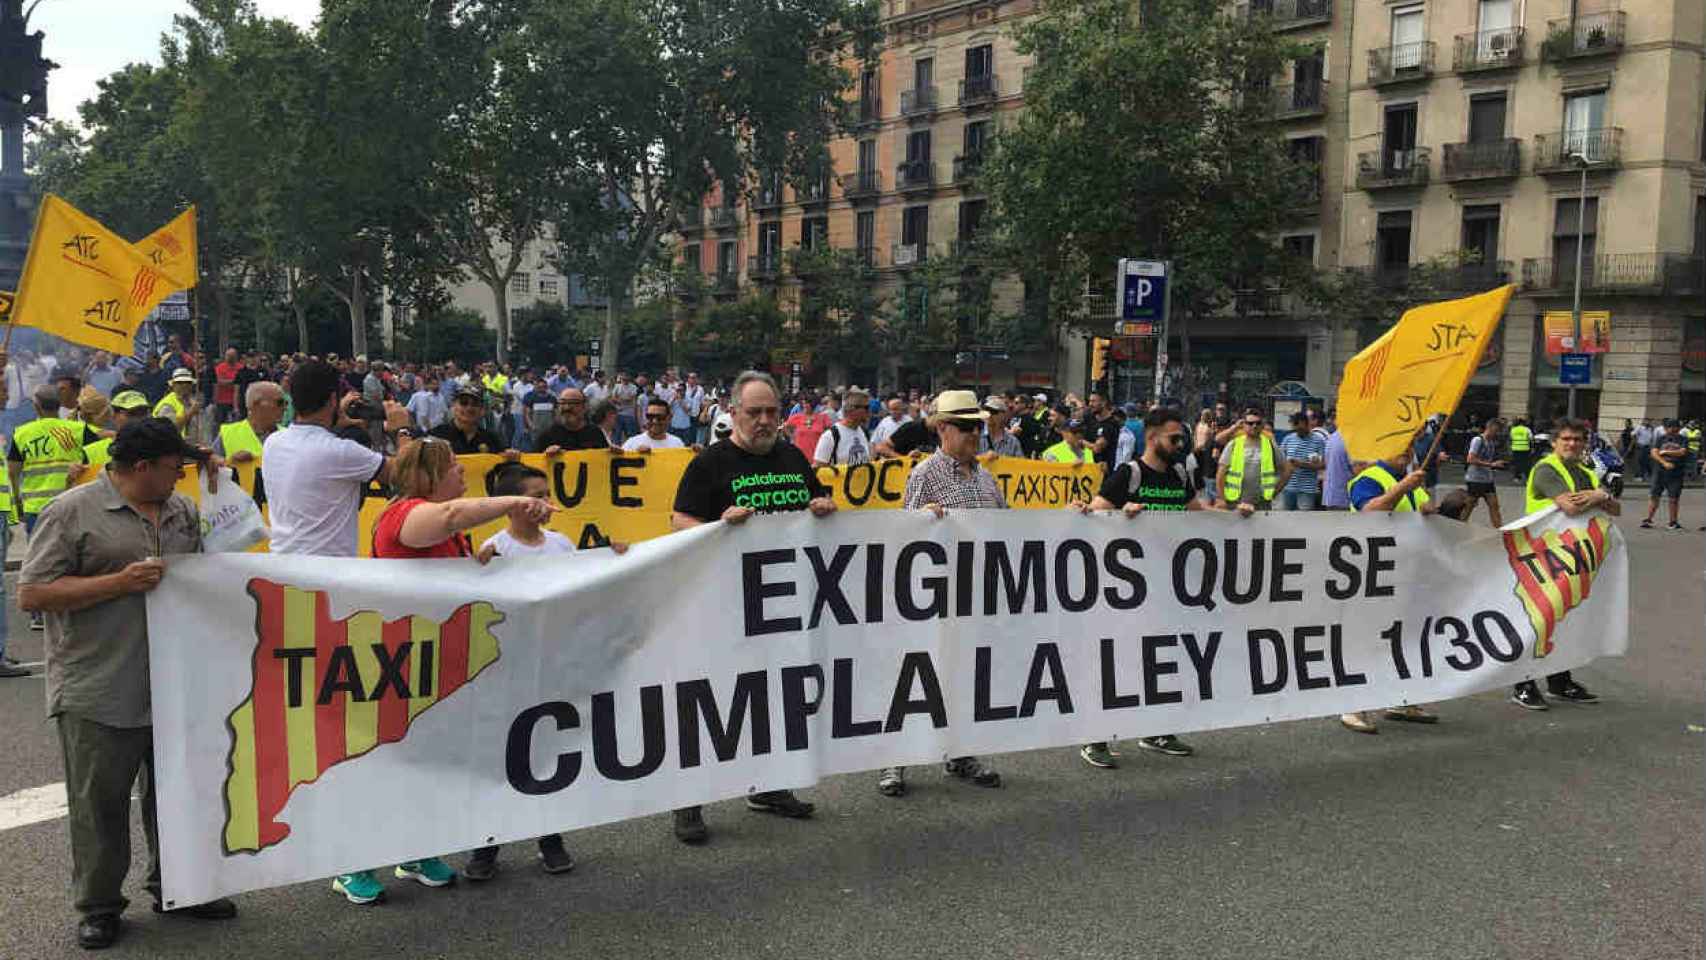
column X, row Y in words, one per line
column 46, row 449
column 1378, row 479
column 1537, row 502
column 1692, row 435
column 1522, row 439
column 1062, row 453
column 99, row 453
column 7, row 508
column 1235, row 469
column 238, row 436
column 127, row 405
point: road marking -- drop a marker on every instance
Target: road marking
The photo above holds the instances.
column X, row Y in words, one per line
column 35, row 805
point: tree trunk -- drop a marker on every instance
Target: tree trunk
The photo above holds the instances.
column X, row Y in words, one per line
column 357, row 315
column 612, row 336
column 301, row 311
column 222, row 316
column 500, row 300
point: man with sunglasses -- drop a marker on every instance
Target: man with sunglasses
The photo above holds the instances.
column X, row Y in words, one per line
column 753, row 471
column 465, row 431
column 571, row 430
column 655, row 433
column 951, row 479
column 1154, row 481
column 1248, row 476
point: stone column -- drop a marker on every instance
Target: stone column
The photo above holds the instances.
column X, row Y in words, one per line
column 1643, row 368
column 1517, row 371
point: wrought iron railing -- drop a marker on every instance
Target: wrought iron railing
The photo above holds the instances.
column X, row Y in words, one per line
column 915, row 175
column 1306, row 99
column 1636, row 273
column 1401, row 61
column 917, row 101
column 1480, row 161
column 1383, row 169
column 1587, row 35
column 1564, row 150
column 1487, row 50
column 977, row 89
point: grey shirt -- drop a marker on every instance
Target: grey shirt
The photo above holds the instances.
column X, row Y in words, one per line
column 1482, row 449
column 97, row 657
column 1251, row 490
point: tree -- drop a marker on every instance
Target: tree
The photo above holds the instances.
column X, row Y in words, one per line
column 730, row 337
column 1149, row 138
column 688, row 96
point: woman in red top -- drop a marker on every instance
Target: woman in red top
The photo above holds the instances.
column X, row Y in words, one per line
column 429, row 517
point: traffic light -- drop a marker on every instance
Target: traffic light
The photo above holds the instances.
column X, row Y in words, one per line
column 1099, row 358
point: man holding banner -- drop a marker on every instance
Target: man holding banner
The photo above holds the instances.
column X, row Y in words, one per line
column 754, row 471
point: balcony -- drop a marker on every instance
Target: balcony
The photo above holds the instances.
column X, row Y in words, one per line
column 1474, row 277
column 861, row 184
column 915, row 175
column 1393, row 169
column 725, row 218
column 909, row 254
column 769, row 194
column 692, row 219
column 1288, row 14
column 870, row 112
column 1309, row 200
column 1490, row 160
column 1384, row 276
column 867, row 255
column 1630, row 274
column 966, row 167
column 1299, row 100
column 814, row 193
column 918, row 103
column 765, row 266
column 977, row 91
column 1556, row 152
column 726, row 282
column 1487, row 50
column 1400, row 63
column 1588, row 35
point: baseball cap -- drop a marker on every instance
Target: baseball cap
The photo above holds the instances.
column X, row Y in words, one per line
column 1040, row 398
column 1129, row 409
column 182, row 375
column 1075, row 426
column 129, row 400
column 152, row 437
column 470, row 391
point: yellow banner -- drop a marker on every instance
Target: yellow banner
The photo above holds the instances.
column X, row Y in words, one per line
column 1418, row 368
column 628, row 497
column 172, row 249
column 84, row 283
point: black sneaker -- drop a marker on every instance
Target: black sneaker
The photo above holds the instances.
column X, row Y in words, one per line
column 1673, row 525
column 972, row 769
column 13, row 670
column 690, row 826
column 1646, row 524
column 553, row 856
column 482, row 866
column 100, row 931
column 1166, row 743
column 783, row 803
column 1575, row 693
column 1527, row 696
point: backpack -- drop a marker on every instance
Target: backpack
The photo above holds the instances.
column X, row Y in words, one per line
column 1137, row 473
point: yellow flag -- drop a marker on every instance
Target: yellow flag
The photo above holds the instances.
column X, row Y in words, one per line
column 1418, row 368
column 84, row 283
column 172, row 250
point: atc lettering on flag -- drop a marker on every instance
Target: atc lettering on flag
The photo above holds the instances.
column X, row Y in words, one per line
column 327, row 691
column 172, row 250
column 1418, row 368
column 1554, row 573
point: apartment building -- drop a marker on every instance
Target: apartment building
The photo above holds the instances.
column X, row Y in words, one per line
column 898, row 189
column 1469, row 127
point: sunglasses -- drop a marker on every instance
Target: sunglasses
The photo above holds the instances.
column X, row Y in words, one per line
column 657, row 416
column 966, row 425
column 1252, row 423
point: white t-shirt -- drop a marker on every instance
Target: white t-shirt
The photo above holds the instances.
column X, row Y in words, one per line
column 886, row 429
column 644, row 441
column 842, row 443
column 509, row 546
column 315, row 480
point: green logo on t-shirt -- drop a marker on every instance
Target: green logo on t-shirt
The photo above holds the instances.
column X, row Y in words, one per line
column 771, row 491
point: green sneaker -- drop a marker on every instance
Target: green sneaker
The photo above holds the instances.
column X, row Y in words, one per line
column 359, row 888
column 431, row 872
column 1098, row 755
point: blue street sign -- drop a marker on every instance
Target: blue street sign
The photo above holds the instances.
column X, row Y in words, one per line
column 1142, row 290
column 1575, row 369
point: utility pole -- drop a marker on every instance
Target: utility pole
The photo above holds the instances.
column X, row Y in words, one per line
column 1581, row 230
column 23, row 97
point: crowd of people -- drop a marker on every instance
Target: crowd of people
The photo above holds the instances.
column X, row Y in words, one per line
column 326, row 429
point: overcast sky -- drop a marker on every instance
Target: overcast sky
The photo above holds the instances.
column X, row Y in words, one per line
column 90, row 39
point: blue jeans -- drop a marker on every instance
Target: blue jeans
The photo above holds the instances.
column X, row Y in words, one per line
column 1297, row 500
column 626, row 426
column 688, row 435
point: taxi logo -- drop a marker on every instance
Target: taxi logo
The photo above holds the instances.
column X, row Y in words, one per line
column 327, row 691
column 1555, row 572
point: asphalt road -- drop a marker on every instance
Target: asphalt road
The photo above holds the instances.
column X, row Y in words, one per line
column 1497, row 834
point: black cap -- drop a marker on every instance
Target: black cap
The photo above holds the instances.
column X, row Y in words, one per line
column 468, row 390
column 152, row 437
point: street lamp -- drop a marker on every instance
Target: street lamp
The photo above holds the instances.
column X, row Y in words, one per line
column 1580, row 157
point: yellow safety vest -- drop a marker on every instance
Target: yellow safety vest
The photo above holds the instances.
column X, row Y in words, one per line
column 99, row 453
column 1693, row 437
column 237, row 436
column 171, row 408
column 1235, row 470
column 1062, row 453
column 1412, row 501
column 1537, row 502
column 1521, row 439
column 50, row 447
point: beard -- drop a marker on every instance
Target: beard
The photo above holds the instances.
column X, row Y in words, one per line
column 1178, row 453
column 759, row 442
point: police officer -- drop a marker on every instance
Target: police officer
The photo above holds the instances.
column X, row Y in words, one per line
column 1522, row 448
column 1563, row 478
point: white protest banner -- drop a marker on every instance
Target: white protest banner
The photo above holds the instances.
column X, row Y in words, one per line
column 315, row 717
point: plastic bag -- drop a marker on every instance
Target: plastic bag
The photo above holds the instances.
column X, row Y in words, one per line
column 230, row 519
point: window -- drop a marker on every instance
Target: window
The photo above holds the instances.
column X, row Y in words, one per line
column 1481, row 233
column 690, row 257
column 1307, row 74
column 1493, row 41
column 814, row 233
column 918, row 147
column 1584, row 120
column 980, row 61
column 1487, row 118
column 923, row 76
column 1398, row 145
column 1392, row 245
column 521, row 283
column 915, row 227
column 1571, row 217
column 1408, row 32
column 869, row 109
column 550, row 287
column 865, row 236
column 867, row 156
column 1700, row 226
column 971, row 217
column 725, row 259
column 1300, row 247
column 514, row 317
column 770, row 244
column 976, row 135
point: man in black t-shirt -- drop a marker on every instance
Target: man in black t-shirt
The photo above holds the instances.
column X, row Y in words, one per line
column 912, row 437
column 464, row 431
column 753, row 471
column 1103, row 434
column 571, row 431
column 1162, row 483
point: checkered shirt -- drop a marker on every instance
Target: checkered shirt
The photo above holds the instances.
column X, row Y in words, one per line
column 940, row 480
